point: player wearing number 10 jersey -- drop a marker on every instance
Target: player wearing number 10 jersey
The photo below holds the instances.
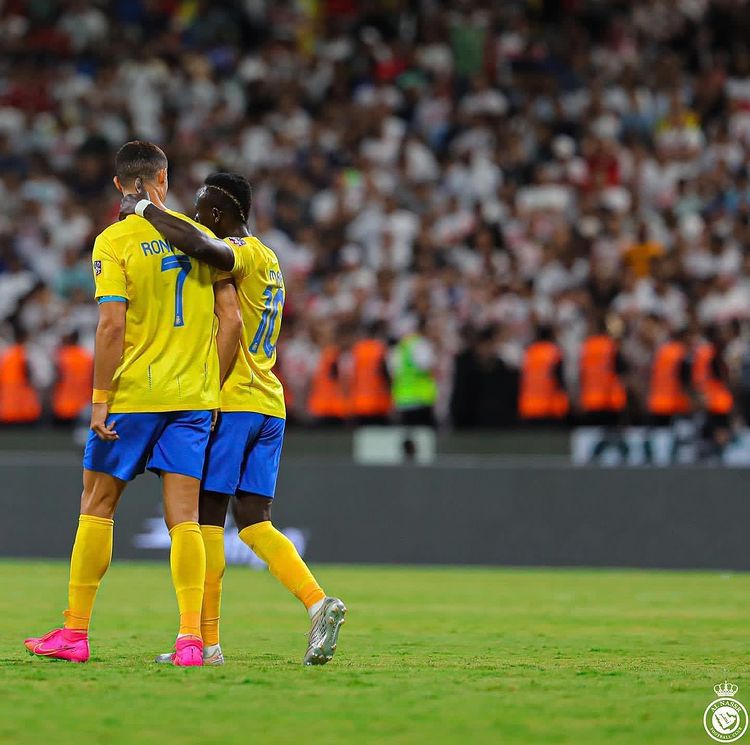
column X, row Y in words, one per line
column 242, row 460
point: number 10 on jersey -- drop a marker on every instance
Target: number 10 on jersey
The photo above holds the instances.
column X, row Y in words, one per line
column 264, row 335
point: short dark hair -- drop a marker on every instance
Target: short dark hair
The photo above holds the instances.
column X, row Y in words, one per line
column 234, row 190
column 139, row 158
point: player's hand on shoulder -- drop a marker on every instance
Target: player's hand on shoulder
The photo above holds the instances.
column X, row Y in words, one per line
column 129, row 201
column 103, row 431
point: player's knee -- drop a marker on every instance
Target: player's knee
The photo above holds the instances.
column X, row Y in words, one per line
column 178, row 511
column 249, row 509
column 213, row 508
column 99, row 500
column 176, row 514
column 101, row 493
column 180, row 499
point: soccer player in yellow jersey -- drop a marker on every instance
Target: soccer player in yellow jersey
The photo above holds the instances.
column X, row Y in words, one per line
column 242, row 461
column 156, row 383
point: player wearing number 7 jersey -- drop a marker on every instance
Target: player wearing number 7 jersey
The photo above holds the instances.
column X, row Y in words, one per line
column 156, row 382
column 242, row 461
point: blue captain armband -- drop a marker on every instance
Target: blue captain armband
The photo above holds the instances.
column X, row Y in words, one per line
column 111, row 299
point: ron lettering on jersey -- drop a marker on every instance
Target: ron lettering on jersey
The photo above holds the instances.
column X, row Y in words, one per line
column 154, row 248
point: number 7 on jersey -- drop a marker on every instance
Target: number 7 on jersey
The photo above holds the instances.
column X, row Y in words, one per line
column 182, row 263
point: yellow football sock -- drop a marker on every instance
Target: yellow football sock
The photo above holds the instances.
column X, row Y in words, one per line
column 188, row 563
column 92, row 552
column 213, row 540
column 283, row 561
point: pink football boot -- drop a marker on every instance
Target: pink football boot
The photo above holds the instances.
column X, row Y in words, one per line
column 188, row 651
column 61, row 644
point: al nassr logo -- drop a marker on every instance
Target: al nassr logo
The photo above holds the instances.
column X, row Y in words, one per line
column 725, row 718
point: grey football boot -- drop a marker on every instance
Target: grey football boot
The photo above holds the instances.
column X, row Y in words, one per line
column 324, row 632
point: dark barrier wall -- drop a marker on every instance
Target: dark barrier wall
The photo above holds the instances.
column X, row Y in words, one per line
column 682, row 518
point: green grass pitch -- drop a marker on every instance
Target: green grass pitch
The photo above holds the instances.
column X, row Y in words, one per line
column 433, row 655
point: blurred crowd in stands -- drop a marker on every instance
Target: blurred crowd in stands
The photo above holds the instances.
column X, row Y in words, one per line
column 460, row 193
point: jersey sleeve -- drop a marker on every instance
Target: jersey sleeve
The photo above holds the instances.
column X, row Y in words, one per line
column 240, row 268
column 109, row 273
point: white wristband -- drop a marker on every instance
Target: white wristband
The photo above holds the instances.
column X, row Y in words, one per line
column 141, row 206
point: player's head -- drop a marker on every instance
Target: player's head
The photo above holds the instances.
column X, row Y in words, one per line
column 144, row 159
column 223, row 203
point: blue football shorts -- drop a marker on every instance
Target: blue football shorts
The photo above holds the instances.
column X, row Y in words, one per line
column 244, row 453
column 172, row 442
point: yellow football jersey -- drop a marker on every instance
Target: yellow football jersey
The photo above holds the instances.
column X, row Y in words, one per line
column 169, row 361
column 251, row 384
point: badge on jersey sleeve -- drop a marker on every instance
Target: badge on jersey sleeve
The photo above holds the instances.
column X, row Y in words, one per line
column 97, row 268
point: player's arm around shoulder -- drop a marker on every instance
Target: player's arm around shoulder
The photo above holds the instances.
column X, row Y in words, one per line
column 181, row 233
column 227, row 310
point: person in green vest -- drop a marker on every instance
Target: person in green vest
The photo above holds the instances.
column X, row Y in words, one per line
column 414, row 388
